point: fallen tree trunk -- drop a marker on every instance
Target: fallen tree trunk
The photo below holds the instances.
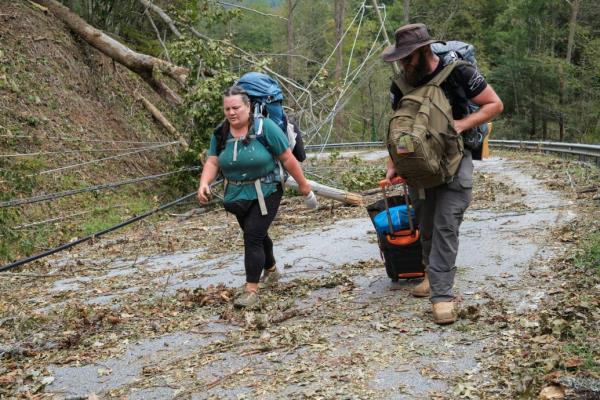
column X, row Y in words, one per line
column 329, row 192
column 159, row 116
column 163, row 15
column 142, row 64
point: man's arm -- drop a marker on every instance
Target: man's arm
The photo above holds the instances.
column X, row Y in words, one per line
column 490, row 107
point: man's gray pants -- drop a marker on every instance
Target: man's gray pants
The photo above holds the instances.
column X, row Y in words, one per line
column 440, row 214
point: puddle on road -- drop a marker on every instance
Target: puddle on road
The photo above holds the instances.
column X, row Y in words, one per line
column 496, row 250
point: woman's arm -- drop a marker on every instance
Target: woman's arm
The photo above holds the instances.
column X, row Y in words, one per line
column 209, row 173
column 292, row 166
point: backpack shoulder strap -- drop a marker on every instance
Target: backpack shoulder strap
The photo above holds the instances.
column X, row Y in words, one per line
column 259, row 132
column 221, row 132
column 445, row 73
column 399, row 80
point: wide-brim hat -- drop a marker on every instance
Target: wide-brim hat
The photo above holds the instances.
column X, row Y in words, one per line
column 408, row 39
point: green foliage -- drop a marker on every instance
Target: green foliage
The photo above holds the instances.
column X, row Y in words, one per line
column 361, row 175
column 589, row 258
column 521, row 47
column 203, row 101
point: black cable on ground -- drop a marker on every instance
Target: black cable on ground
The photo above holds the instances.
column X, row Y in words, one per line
column 57, row 195
column 95, row 235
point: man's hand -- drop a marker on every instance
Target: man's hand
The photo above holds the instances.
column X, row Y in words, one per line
column 460, row 126
column 490, row 106
column 391, row 171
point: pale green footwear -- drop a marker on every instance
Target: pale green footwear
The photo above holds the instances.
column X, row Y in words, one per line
column 270, row 277
column 246, row 299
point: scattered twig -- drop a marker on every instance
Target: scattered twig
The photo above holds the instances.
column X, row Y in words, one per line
column 162, row 43
column 39, row 6
column 217, row 381
column 371, row 191
column 165, row 288
column 570, row 180
column 250, row 9
column 289, row 314
column 375, row 281
column 589, row 189
column 312, row 258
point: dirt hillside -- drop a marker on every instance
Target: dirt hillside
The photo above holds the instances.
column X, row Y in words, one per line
column 63, row 103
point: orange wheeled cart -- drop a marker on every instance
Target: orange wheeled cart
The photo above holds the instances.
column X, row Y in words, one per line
column 398, row 242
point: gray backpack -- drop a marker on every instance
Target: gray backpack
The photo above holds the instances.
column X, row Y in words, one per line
column 449, row 52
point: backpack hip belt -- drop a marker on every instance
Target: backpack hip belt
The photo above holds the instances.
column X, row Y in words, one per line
column 269, row 178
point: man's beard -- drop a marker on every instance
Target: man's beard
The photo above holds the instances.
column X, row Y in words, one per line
column 415, row 75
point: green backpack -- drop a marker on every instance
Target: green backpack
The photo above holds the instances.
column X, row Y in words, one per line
column 421, row 140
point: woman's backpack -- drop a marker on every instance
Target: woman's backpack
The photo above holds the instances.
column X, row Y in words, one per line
column 266, row 98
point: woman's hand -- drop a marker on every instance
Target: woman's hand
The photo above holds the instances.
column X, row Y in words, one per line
column 293, row 167
column 304, row 188
column 204, row 193
column 209, row 172
column 310, row 201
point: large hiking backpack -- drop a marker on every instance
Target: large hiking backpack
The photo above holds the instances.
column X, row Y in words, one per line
column 421, row 140
column 267, row 101
column 449, row 52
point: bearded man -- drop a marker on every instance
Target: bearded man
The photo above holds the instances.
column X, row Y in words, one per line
column 441, row 209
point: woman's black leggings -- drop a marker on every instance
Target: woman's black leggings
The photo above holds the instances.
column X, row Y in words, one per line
column 258, row 246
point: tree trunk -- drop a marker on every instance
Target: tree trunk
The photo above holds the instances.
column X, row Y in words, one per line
column 340, row 6
column 572, row 26
column 329, row 192
column 163, row 120
column 142, row 64
column 395, row 64
column 544, row 128
column 533, row 127
column 406, row 12
column 163, row 15
column 561, row 103
column 291, row 4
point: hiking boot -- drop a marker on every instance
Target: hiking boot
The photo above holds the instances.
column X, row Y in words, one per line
column 422, row 289
column 444, row 312
column 270, row 276
column 246, row 299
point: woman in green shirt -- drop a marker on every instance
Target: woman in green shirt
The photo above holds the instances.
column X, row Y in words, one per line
column 250, row 169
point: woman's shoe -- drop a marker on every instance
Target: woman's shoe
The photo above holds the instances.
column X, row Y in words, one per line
column 246, row 299
column 270, row 276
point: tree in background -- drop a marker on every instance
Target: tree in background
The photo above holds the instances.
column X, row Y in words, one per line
column 541, row 56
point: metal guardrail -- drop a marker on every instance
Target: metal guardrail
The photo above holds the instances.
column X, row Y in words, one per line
column 585, row 150
column 577, row 149
column 349, row 145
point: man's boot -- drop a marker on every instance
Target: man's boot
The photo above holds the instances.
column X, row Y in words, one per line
column 444, row 312
column 422, row 289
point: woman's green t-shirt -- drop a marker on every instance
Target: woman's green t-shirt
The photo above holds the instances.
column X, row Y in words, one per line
column 253, row 161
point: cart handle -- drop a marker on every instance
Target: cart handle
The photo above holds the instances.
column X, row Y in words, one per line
column 393, row 181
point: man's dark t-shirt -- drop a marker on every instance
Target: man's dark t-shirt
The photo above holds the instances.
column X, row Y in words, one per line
column 465, row 82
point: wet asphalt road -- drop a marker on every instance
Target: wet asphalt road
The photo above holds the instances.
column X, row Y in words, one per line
column 397, row 352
